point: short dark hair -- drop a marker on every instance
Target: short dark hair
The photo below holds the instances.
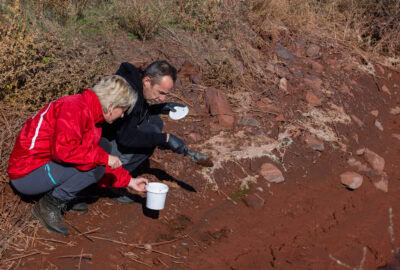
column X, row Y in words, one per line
column 158, row 69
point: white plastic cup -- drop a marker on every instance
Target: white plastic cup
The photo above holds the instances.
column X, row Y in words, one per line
column 156, row 195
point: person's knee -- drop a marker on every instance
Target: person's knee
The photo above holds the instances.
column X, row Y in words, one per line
column 157, row 123
column 99, row 172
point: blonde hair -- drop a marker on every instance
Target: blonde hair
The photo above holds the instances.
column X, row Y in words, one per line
column 114, row 91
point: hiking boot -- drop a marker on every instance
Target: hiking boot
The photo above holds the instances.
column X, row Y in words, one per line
column 48, row 211
column 80, row 208
column 121, row 195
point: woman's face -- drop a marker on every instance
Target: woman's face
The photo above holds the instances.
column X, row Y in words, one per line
column 114, row 114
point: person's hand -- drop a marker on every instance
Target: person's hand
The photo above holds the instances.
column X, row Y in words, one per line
column 138, row 184
column 169, row 106
column 177, row 145
column 114, row 162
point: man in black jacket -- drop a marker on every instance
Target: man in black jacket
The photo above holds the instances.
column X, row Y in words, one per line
column 135, row 137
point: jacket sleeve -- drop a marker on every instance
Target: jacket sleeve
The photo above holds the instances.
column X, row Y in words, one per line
column 71, row 141
column 118, row 177
column 130, row 136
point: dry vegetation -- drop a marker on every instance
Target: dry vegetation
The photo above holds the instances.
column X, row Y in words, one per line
column 222, row 37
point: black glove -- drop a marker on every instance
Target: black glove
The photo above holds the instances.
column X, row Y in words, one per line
column 177, row 145
column 169, row 106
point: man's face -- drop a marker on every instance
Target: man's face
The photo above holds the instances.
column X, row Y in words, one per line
column 158, row 92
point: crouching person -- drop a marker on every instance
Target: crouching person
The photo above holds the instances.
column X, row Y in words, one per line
column 59, row 152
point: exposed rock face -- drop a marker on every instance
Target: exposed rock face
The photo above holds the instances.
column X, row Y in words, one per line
column 351, row 180
column 219, row 106
column 271, row 173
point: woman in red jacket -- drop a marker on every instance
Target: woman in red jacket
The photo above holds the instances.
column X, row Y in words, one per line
column 58, row 149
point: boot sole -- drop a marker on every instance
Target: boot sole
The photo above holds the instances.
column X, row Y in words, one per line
column 36, row 214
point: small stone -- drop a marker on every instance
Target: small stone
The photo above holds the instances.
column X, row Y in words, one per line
column 360, row 151
column 314, row 82
column 358, row 165
column 395, row 135
column 314, row 143
column 313, row 50
column 375, row 113
column 377, row 162
column 254, row 201
column 395, row 110
column 312, row 99
column 351, row 180
column 317, row 67
column 271, row 173
column 195, row 137
column 283, row 84
column 280, row 118
column 385, row 89
column 248, row 121
column 195, row 78
column 381, row 182
column 379, row 125
column 284, row 53
column 260, row 189
column 357, row 120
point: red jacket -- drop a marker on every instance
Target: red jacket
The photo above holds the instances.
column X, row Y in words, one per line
column 66, row 131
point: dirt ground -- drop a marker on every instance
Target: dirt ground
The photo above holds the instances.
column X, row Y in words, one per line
column 230, row 216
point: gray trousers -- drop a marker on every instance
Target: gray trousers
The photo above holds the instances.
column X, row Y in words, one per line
column 64, row 181
column 131, row 158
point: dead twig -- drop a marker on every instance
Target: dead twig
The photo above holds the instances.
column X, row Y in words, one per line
column 80, row 259
column 82, row 255
column 181, row 98
column 163, row 263
column 348, row 266
column 80, row 233
column 24, row 256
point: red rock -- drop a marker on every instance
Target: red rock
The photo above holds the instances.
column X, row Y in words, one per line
column 312, row 99
column 385, row 89
column 357, row 120
column 360, row 151
column 375, row 113
column 379, row 125
column 271, row 173
column 195, row 137
column 283, row 84
column 381, row 182
column 218, row 105
column 314, row 82
column 280, row 118
column 358, row 165
column 313, row 50
column 314, row 143
column 317, row 67
column 395, row 110
column 395, row 135
column 254, row 201
column 376, row 161
column 351, row 180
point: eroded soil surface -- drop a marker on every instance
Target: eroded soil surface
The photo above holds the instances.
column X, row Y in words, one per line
column 229, row 216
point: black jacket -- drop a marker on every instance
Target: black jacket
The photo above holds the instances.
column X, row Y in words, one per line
column 125, row 130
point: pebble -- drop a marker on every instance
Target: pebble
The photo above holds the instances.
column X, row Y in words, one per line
column 284, row 53
column 395, row 135
column 377, row 162
column 312, row 99
column 283, row 84
column 381, row 182
column 357, row 120
column 254, row 201
column 351, row 180
column 395, row 110
column 271, row 173
column 378, row 125
column 375, row 113
column 314, row 143
column 385, row 89
column 313, row 50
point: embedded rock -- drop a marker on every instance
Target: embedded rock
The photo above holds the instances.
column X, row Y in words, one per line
column 351, row 180
column 377, row 162
column 254, row 201
column 219, row 106
column 271, row 173
column 314, row 143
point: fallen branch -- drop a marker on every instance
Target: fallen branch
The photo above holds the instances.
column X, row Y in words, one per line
column 80, row 233
column 82, row 255
column 24, row 256
column 80, row 259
